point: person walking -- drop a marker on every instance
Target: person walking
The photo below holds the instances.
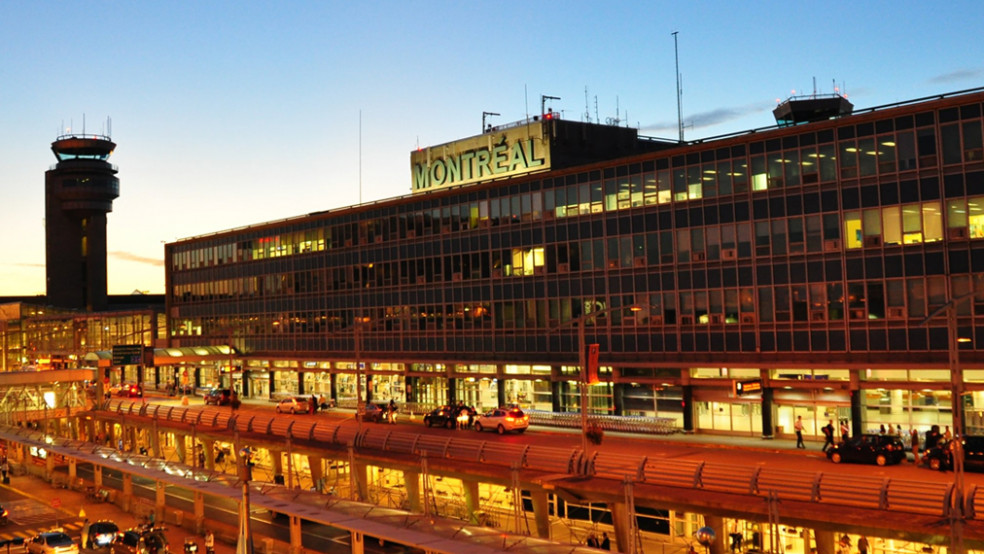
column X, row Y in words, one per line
column 828, row 435
column 845, row 431
column 914, row 438
column 798, row 426
column 947, row 435
column 863, row 545
column 209, row 542
column 606, row 543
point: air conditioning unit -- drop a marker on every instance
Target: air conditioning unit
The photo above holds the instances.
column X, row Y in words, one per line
column 729, row 254
column 873, row 240
column 858, row 313
column 818, row 316
column 686, row 320
column 896, row 313
column 456, row 276
column 563, row 268
column 639, row 261
column 748, row 318
column 832, row 245
column 958, row 233
column 698, row 256
column 717, row 319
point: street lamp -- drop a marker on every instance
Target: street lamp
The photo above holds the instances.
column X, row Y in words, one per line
column 581, row 360
column 956, row 402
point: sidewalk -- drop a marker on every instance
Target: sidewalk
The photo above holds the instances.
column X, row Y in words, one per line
column 73, row 508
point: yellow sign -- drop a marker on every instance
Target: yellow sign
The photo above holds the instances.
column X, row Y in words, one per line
column 493, row 155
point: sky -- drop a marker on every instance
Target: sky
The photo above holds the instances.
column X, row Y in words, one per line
column 228, row 114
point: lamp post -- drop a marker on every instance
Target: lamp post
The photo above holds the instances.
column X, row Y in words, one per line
column 582, row 362
column 956, row 402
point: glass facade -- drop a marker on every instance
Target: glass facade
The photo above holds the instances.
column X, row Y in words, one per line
column 804, row 256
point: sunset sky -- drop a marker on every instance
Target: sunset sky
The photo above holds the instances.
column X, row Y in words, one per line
column 228, row 114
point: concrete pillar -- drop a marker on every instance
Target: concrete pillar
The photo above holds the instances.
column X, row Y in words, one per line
column 895, row 397
column 277, row 462
column 209, row 446
column 358, row 543
column 411, row 479
column 160, row 501
column 717, row 524
column 473, row 502
column 360, row 480
column 49, row 466
column 97, row 476
column 826, row 543
column 126, row 500
column 199, row 512
column 73, row 473
column 620, row 521
column 295, row 535
column 181, row 448
column 155, row 442
column 541, row 511
column 317, row 471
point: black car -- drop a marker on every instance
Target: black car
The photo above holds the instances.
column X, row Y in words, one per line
column 868, row 449
column 941, row 456
column 140, row 541
column 441, row 417
column 97, row 534
column 218, row 397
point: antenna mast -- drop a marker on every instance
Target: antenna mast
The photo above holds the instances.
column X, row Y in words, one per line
column 676, row 54
column 587, row 107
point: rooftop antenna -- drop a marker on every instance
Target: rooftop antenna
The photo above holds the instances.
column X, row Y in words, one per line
column 109, row 126
column 587, row 106
column 814, row 87
column 676, row 54
column 543, row 102
column 489, row 128
column 597, row 117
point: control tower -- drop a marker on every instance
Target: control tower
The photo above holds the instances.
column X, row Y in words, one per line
column 79, row 192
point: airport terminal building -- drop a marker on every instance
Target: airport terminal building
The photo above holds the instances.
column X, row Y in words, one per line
column 824, row 267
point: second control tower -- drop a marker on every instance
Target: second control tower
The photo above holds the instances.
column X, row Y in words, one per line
column 79, row 192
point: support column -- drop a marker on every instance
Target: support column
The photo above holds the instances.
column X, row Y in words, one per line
column 688, row 409
column 554, row 396
column 97, row 476
column 155, row 442
column 358, row 543
column 717, row 524
column 618, row 399
column 620, row 521
column 473, row 503
column 125, row 502
column 768, row 424
column 199, row 512
column 826, row 542
column 300, row 382
column 160, row 501
column 500, row 391
column 541, row 512
column 209, row 446
column 360, row 480
column 49, row 466
column 295, row 535
column 181, row 448
column 277, row 465
column 317, row 472
column 411, row 479
column 73, row 472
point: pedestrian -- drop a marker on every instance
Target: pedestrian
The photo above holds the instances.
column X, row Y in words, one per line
column 313, row 404
column 606, row 543
column 947, row 435
column 898, row 430
column 863, row 545
column 914, row 434
column 881, row 430
column 798, row 426
column 845, row 431
column 322, row 403
column 391, row 412
column 209, row 542
column 828, row 435
column 592, row 541
column 932, row 437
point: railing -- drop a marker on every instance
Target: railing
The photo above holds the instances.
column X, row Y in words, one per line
column 829, row 488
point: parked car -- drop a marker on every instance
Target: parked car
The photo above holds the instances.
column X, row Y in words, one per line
column 130, row 390
column 441, row 417
column 294, row 405
column 97, row 534
column 374, row 413
column 503, row 420
column 868, row 449
column 217, row 397
column 52, row 542
column 140, row 541
column 941, row 455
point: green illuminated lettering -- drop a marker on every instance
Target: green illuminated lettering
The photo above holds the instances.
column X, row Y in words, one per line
column 467, row 170
column 532, row 160
column 454, row 169
column 438, row 173
column 517, row 158
column 499, row 158
column 420, row 177
column 482, row 158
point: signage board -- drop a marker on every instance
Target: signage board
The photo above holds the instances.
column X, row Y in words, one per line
column 128, row 354
column 753, row 386
column 492, row 155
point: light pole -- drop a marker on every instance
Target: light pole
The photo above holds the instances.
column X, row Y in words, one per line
column 582, row 364
column 956, row 403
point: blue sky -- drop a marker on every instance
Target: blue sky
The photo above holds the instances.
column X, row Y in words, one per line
column 232, row 113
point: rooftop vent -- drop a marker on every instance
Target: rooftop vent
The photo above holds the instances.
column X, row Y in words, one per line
column 806, row 109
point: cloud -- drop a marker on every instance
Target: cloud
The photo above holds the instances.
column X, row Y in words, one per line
column 708, row 119
column 955, row 76
column 130, row 257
